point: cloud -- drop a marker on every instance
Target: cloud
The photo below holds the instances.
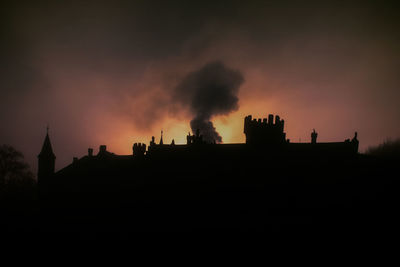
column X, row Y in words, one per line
column 210, row 91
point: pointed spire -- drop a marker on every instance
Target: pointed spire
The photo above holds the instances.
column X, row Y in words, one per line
column 161, row 139
column 47, row 149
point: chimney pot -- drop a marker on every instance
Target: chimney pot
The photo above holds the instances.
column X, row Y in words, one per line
column 103, row 148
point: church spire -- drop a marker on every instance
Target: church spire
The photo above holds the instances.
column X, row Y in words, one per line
column 47, row 160
column 47, row 150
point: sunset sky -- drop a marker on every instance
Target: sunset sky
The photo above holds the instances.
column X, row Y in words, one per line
column 105, row 72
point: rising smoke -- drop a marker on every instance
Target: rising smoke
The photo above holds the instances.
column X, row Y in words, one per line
column 210, row 91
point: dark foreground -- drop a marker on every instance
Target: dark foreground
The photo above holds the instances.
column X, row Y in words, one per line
column 355, row 196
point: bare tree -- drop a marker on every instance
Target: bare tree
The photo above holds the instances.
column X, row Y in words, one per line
column 14, row 171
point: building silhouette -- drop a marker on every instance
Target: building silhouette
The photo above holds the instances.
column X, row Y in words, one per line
column 264, row 131
column 265, row 138
column 46, row 161
column 197, row 185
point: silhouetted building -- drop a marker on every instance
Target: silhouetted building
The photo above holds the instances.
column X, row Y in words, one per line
column 47, row 161
column 139, row 149
column 265, row 139
column 265, row 131
column 257, row 185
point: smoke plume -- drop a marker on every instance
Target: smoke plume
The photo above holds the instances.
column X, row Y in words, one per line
column 210, row 91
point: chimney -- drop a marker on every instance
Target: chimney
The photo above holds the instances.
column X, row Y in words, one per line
column 277, row 120
column 90, row 152
column 270, row 119
column 102, row 148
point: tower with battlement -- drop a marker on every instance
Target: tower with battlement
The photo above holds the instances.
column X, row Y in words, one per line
column 264, row 131
column 139, row 149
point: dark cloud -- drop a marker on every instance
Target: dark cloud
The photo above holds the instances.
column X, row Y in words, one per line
column 210, row 91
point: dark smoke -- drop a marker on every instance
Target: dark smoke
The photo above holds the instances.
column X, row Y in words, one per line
column 210, row 91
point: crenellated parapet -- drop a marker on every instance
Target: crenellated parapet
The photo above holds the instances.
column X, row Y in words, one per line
column 264, row 131
column 139, row 149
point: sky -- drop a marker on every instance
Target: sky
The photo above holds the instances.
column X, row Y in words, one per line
column 107, row 72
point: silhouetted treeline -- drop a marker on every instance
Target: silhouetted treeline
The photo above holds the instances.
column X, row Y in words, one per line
column 388, row 149
column 13, row 168
column 17, row 182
